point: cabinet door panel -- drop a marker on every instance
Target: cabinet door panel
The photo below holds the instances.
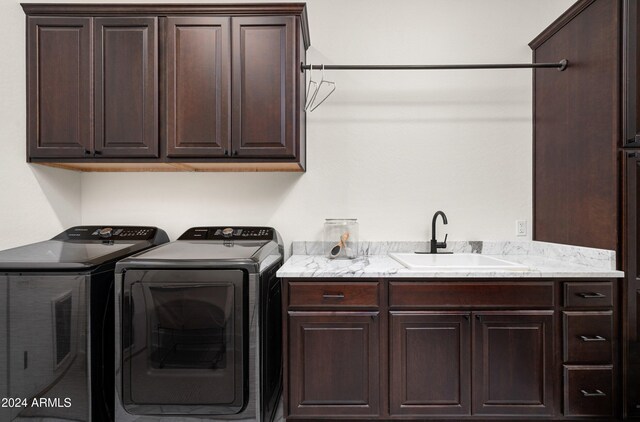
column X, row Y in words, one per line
column 513, row 363
column 126, row 86
column 631, row 349
column 430, row 363
column 59, row 87
column 334, row 363
column 198, row 82
column 264, row 83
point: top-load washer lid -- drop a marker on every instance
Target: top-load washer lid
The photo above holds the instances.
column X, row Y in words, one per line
column 215, row 247
column 81, row 248
column 207, row 250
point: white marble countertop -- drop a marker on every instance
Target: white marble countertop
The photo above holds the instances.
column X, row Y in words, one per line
column 544, row 260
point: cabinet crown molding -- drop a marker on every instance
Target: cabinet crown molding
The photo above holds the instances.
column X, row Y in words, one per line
column 112, row 9
column 560, row 22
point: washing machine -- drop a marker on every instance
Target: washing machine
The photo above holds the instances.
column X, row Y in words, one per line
column 198, row 328
column 56, row 322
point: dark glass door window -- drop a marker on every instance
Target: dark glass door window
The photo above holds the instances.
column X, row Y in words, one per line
column 191, row 326
column 187, row 341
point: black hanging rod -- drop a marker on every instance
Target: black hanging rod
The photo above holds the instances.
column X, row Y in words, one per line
column 561, row 65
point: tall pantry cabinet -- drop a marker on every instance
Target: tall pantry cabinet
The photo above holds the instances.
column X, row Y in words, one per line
column 587, row 150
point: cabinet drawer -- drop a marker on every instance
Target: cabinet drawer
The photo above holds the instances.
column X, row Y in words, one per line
column 471, row 294
column 588, row 294
column 312, row 294
column 588, row 391
column 588, row 337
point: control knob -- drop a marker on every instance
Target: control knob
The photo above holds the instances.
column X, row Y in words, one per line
column 228, row 232
column 106, row 232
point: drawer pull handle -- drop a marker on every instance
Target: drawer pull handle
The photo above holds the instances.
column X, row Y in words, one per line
column 591, row 295
column 597, row 393
column 333, row 295
column 592, row 338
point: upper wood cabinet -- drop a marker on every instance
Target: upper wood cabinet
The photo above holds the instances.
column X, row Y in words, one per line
column 167, row 87
column 59, row 87
column 263, row 87
column 126, row 87
column 198, row 86
column 631, row 93
column 122, row 52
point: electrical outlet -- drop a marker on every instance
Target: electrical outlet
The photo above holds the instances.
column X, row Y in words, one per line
column 521, row 227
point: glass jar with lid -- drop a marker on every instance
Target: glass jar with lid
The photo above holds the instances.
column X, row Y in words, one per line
column 341, row 238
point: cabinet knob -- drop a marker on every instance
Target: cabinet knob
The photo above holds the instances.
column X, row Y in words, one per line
column 235, row 152
column 97, row 152
column 226, row 153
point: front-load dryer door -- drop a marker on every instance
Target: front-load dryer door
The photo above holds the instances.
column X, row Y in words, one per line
column 184, row 342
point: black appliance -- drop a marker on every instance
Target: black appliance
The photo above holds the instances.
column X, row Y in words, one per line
column 198, row 328
column 56, row 322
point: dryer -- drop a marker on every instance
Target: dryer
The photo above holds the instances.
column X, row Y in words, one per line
column 198, row 328
column 56, row 322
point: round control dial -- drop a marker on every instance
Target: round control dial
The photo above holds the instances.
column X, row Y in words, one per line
column 106, row 232
column 228, row 232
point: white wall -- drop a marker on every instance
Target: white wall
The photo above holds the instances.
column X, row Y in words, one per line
column 389, row 148
column 35, row 202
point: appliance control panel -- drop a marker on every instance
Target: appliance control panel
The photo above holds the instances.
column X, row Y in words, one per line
column 229, row 233
column 111, row 233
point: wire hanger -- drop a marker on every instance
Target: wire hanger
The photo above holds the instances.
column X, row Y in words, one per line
column 312, row 88
column 330, row 86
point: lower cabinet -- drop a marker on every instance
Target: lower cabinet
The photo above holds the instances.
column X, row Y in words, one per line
column 430, row 357
column 432, row 363
column 513, row 363
column 588, row 391
column 387, row 350
column 334, row 363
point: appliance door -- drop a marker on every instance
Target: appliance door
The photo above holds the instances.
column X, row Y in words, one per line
column 185, row 342
column 44, row 341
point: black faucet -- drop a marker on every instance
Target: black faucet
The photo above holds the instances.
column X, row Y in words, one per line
column 435, row 245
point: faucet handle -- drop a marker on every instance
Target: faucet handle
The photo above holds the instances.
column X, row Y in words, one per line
column 441, row 245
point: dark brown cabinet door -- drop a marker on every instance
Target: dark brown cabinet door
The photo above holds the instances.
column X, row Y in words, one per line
column 264, row 86
column 59, row 87
column 126, row 87
column 334, row 364
column 198, row 86
column 632, row 283
column 631, row 91
column 430, row 363
column 513, row 363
